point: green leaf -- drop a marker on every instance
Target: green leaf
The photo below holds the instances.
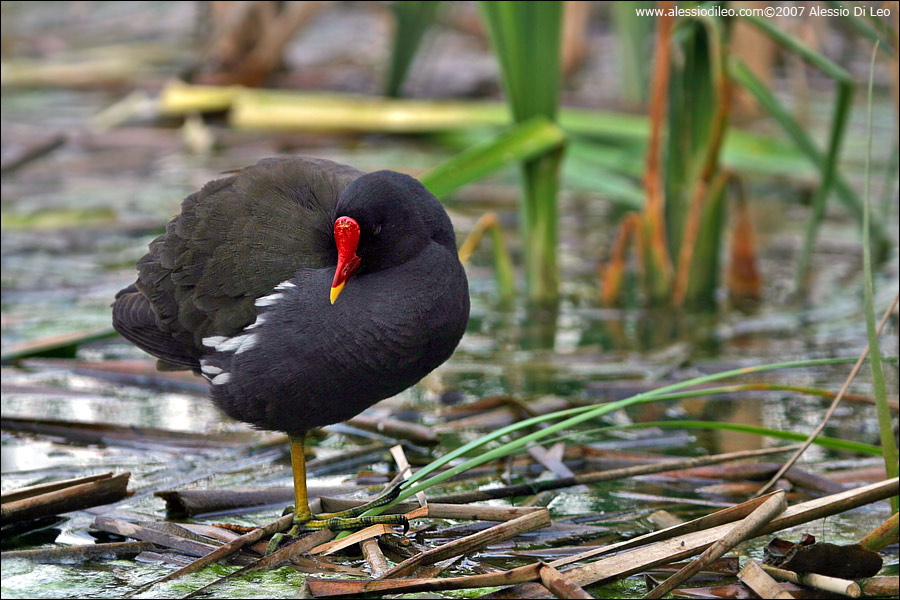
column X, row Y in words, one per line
column 412, row 19
column 520, row 142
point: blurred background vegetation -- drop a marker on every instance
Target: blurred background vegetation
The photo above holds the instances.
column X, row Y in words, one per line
column 673, row 124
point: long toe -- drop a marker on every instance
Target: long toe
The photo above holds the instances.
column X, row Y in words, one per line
column 338, row 523
column 385, row 498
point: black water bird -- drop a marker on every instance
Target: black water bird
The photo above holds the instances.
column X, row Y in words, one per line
column 304, row 291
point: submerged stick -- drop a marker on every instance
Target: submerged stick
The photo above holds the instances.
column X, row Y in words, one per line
column 720, row 517
column 55, row 344
column 744, row 530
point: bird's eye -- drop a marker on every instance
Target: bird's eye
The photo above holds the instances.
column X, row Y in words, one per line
column 377, row 230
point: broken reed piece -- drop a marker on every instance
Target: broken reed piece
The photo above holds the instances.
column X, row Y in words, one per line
column 198, row 502
column 471, row 543
column 882, row 536
column 640, row 559
column 557, row 583
column 378, row 564
column 888, row 586
column 743, row 530
column 354, row 538
column 229, row 549
column 347, row 587
column 201, row 502
column 76, row 494
column 43, row 488
column 755, row 578
column 404, row 470
column 81, row 553
column 553, row 463
column 844, row 587
column 186, row 544
column 121, row 435
column 663, row 547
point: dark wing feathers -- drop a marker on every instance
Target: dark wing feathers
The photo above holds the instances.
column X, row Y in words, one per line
column 135, row 320
column 234, row 241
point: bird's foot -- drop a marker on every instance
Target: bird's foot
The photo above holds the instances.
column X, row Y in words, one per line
column 280, row 540
column 339, row 521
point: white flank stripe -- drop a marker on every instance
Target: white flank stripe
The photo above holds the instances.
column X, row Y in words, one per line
column 231, row 343
column 214, row 341
column 284, row 285
column 220, row 379
column 268, row 300
column 259, row 321
column 249, row 342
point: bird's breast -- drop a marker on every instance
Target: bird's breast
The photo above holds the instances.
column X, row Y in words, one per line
column 305, row 362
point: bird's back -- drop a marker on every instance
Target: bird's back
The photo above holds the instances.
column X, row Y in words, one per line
column 233, row 241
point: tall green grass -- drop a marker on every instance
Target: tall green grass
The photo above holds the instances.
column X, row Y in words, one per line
column 526, row 39
column 885, row 427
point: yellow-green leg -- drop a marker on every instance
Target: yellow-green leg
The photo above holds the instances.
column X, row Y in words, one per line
column 347, row 519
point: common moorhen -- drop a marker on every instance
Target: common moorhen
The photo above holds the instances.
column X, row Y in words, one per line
column 304, row 291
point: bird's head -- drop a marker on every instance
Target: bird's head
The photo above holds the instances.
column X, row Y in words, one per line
column 377, row 225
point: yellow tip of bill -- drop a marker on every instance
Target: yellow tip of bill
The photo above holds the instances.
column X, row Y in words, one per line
column 336, row 291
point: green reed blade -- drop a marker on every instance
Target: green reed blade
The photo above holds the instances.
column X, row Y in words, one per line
column 412, row 19
column 885, row 428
